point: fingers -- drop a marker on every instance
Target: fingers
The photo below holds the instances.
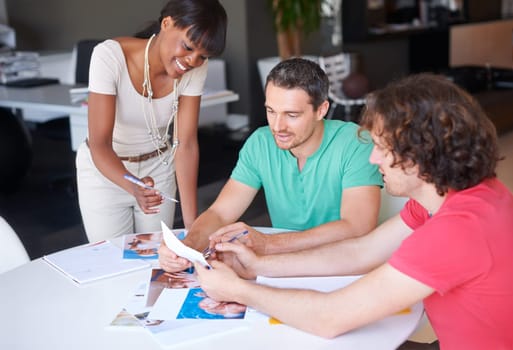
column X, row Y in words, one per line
column 170, row 262
column 218, row 282
column 148, row 180
column 148, row 200
column 175, row 265
column 235, row 248
column 227, row 232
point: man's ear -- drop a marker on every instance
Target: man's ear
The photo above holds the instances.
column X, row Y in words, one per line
column 323, row 109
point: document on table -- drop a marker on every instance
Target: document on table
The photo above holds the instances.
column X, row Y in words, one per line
column 92, row 262
column 188, row 315
column 322, row 284
column 146, row 245
column 181, row 249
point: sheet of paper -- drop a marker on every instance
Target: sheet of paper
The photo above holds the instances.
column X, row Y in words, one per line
column 172, row 330
column 168, row 304
column 136, row 310
column 181, row 249
column 322, row 284
column 193, row 303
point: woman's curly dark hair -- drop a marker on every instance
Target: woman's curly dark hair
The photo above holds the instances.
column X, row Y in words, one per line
column 427, row 120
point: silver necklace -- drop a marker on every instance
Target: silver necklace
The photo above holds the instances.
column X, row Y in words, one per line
column 158, row 140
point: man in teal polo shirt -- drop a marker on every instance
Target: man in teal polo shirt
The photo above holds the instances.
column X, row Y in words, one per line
column 317, row 179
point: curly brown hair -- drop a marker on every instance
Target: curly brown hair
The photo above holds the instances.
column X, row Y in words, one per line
column 427, row 120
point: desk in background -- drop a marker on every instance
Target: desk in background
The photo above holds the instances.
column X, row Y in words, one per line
column 43, row 309
column 56, row 98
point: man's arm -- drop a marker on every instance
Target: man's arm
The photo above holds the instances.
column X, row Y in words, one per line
column 382, row 292
column 230, row 204
column 359, row 210
column 348, row 257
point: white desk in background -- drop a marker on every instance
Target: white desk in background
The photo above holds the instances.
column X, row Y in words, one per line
column 43, row 309
column 56, row 98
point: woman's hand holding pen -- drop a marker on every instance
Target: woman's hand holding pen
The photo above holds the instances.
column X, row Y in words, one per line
column 148, row 199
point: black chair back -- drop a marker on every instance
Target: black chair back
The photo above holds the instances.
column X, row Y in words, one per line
column 84, row 50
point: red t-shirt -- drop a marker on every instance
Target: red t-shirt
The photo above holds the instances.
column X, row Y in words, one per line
column 464, row 252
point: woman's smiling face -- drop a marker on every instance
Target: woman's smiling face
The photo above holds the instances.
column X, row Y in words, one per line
column 178, row 54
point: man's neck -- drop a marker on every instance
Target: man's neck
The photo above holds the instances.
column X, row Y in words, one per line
column 309, row 147
column 429, row 198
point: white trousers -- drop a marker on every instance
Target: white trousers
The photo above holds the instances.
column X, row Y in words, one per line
column 108, row 210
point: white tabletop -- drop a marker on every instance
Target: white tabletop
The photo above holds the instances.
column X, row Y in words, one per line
column 43, row 309
column 51, row 98
column 56, row 98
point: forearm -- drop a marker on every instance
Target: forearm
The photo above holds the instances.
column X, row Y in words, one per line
column 326, row 260
column 207, row 223
column 307, row 310
column 379, row 293
column 320, row 235
column 186, row 165
column 348, row 257
column 109, row 164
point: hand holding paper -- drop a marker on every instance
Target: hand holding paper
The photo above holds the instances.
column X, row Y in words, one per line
column 181, row 249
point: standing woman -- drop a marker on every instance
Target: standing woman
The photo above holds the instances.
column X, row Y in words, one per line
column 141, row 90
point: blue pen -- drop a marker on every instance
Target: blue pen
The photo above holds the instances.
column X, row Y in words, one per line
column 209, row 251
column 138, row 182
column 237, row 236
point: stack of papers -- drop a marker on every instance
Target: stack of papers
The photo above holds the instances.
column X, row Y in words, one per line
column 211, row 93
column 173, row 308
column 18, row 65
column 79, row 95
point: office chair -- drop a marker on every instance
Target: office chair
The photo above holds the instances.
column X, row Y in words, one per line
column 337, row 68
column 84, row 50
column 12, row 251
column 15, row 151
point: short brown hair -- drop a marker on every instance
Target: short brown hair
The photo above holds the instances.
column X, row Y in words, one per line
column 304, row 74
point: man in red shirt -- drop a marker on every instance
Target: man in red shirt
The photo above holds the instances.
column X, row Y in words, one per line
column 450, row 246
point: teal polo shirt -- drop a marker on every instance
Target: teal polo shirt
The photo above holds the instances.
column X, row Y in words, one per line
column 300, row 200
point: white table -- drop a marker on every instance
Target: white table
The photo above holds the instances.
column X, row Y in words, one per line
column 43, row 309
column 56, row 98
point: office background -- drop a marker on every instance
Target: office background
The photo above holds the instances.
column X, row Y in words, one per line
column 52, row 25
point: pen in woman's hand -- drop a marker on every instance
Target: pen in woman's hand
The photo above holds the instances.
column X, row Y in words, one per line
column 209, row 251
column 139, row 183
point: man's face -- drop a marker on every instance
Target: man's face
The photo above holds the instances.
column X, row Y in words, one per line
column 291, row 116
column 397, row 181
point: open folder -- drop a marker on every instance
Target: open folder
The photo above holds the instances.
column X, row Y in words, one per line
column 91, row 262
